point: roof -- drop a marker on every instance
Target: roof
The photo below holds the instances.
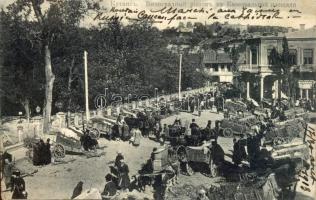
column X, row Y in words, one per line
column 300, row 34
column 306, row 33
column 212, row 56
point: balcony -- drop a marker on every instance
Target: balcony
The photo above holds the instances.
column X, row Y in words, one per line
column 307, row 68
column 266, row 69
column 256, row 68
column 212, row 72
column 248, row 68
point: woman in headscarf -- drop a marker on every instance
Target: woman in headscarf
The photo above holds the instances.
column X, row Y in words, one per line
column 123, row 179
column 136, row 136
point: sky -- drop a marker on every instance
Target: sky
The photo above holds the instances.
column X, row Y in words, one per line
column 306, row 7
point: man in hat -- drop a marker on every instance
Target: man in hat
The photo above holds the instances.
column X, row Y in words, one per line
column 215, row 132
column 109, row 188
column 194, row 132
column 18, row 186
column 253, row 147
column 239, row 152
column 208, row 130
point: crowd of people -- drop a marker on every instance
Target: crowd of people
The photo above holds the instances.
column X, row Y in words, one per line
column 133, row 129
column 202, row 101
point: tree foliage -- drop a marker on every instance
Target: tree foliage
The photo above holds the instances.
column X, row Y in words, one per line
column 281, row 65
column 126, row 59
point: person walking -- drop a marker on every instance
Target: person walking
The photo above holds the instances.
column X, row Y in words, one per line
column 120, row 124
column 48, row 154
column 18, row 186
column 123, row 179
column 136, row 136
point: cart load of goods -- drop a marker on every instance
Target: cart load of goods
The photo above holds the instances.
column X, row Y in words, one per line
column 285, row 132
column 297, row 151
column 102, row 125
column 235, row 106
column 295, row 113
column 253, row 190
column 233, row 127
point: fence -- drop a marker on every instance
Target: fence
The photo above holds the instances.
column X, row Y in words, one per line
column 34, row 128
column 76, row 119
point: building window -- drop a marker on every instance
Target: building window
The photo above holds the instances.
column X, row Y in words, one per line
column 269, row 56
column 222, row 68
column 228, row 68
column 254, row 56
column 308, row 56
column 292, row 57
column 215, row 66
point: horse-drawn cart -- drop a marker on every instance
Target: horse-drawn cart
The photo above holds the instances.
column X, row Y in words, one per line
column 101, row 125
column 231, row 127
column 71, row 143
column 63, row 144
column 201, row 155
column 285, row 132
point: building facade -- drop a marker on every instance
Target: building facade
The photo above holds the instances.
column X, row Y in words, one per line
column 218, row 65
column 302, row 47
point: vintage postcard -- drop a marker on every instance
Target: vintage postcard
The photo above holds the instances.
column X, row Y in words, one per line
column 158, row 99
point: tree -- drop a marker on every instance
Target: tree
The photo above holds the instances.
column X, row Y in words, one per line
column 281, row 65
column 43, row 31
column 20, row 59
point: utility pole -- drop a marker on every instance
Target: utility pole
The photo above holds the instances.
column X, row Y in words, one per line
column 180, row 69
column 86, row 84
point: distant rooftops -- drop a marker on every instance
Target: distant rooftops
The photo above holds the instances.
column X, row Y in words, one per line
column 302, row 33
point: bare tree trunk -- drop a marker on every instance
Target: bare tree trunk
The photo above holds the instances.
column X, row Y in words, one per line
column 50, row 78
column 69, row 82
column 26, row 105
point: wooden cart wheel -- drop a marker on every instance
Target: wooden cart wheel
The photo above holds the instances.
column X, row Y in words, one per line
column 278, row 141
column 59, row 151
column 228, row 132
column 94, row 133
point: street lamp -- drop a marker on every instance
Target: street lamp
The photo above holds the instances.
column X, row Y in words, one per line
column 38, row 110
column 20, row 114
column 156, row 94
column 180, row 69
column 105, row 90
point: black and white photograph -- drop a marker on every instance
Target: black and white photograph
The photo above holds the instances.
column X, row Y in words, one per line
column 158, row 99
